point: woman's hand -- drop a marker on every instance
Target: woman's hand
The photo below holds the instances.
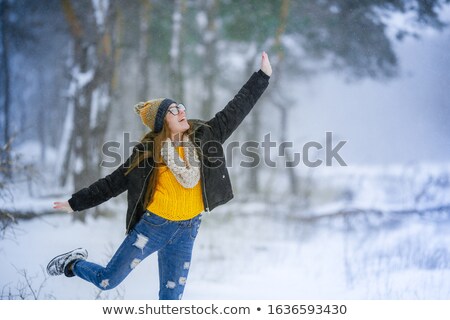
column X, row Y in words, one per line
column 265, row 64
column 63, row 206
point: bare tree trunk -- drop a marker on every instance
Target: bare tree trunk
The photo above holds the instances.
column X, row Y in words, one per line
column 210, row 58
column 144, row 57
column 253, row 134
column 41, row 129
column 92, row 70
column 282, row 106
column 284, row 13
column 65, row 146
column 176, row 52
column 283, row 103
column 293, row 179
column 6, row 90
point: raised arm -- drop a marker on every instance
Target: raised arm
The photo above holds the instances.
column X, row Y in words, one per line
column 226, row 121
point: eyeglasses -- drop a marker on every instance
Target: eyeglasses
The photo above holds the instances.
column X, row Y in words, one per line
column 176, row 110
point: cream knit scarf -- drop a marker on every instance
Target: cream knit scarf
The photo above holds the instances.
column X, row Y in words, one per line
column 187, row 170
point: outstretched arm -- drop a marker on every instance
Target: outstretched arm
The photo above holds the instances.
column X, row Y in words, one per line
column 100, row 191
column 226, row 121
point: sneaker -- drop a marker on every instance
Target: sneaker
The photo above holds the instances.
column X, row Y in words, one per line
column 58, row 264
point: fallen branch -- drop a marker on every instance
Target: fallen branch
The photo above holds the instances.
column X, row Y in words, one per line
column 347, row 212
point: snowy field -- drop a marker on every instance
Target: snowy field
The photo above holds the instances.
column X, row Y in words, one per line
column 368, row 233
column 255, row 250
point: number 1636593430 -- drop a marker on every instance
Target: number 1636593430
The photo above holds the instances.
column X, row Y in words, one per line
column 307, row 309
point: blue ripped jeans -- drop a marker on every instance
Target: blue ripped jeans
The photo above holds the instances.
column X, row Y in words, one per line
column 173, row 240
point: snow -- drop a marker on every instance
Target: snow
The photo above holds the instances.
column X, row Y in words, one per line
column 201, row 19
column 394, row 187
column 252, row 257
column 96, row 95
column 101, row 8
column 82, row 78
column 258, row 250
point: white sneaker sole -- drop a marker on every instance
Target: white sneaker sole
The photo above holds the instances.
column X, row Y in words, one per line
column 78, row 253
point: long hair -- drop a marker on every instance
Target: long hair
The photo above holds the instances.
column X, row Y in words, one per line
column 153, row 143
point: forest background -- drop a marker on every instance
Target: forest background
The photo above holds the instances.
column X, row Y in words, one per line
column 371, row 74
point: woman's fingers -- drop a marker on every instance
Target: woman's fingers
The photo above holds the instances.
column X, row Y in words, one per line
column 58, row 205
column 65, row 206
column 265, row 64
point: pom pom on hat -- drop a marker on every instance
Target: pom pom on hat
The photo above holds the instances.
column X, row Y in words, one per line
column 138, row 107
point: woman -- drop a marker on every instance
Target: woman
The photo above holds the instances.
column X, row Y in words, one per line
column 177, row 172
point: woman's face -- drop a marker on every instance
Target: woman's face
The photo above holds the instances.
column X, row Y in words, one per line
column 176, row 119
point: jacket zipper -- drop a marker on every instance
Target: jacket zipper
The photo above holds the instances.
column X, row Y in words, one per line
column 204, row 190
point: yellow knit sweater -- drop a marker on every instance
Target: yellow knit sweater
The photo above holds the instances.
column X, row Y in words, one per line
column 171, row 200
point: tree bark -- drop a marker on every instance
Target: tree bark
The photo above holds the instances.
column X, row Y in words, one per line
column 41, row 129
column 6, row 156
column 93, row 74
column 253, row 134
column 283, row 106
column 176, row 52
column 210, row 59
column 145, row 39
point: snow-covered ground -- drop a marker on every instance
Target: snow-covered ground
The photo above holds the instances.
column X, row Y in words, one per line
column 257, row 249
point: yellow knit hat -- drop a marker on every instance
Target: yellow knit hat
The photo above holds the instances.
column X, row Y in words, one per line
column 152, row 112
